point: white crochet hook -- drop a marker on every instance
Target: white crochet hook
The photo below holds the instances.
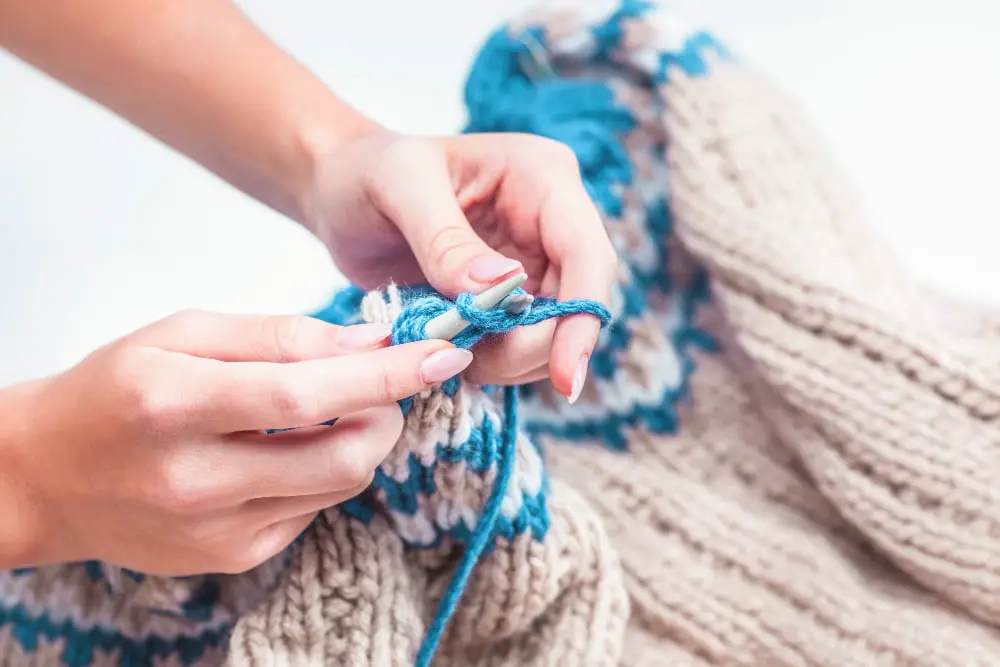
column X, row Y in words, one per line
column 450, row 323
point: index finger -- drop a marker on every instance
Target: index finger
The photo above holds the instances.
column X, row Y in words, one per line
column 587, row 268
column 252, row 396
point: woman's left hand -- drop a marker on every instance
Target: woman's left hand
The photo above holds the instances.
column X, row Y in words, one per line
column 460, row 213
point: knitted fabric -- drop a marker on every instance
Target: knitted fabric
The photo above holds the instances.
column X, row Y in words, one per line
column 786, row 455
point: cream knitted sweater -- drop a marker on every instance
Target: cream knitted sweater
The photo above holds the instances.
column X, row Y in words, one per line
column 809, row 476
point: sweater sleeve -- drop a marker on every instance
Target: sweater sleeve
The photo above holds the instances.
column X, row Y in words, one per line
column 905, row 403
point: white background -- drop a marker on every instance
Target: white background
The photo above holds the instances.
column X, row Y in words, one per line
column 97, row 221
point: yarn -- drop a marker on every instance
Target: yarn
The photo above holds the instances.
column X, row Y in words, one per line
column 480, row 537
column 784, row 456
column 410, row 326
column 423, row 306
column 483, row 322
column 402, row 493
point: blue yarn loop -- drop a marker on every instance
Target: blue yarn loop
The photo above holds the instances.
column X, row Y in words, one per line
column 411, row 326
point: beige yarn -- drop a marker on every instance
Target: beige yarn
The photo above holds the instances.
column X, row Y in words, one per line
column 840, row 459
column 832, row 497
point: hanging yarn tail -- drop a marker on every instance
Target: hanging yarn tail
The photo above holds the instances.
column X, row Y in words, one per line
column 480, row 537
column 418, row 307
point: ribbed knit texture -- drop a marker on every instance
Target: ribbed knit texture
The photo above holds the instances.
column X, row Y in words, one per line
column 786, row 455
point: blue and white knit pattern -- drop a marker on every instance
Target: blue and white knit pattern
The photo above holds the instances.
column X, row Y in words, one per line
column 626, row 180
column 66, row 615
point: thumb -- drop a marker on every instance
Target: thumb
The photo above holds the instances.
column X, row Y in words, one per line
column 421, row 202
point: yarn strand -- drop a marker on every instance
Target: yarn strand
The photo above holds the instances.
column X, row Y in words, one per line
column 480, row 537
column 410, row 326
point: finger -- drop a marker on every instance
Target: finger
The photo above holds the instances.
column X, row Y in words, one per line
column 235, row 472
column 268, row 338
column 536, row 375
column 267, row 511
column 451, row 255
column 257, row 396
column 271, row 541
column 587, row 265
column 519, row 353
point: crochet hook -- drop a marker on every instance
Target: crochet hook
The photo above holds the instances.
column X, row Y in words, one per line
column 450, row 323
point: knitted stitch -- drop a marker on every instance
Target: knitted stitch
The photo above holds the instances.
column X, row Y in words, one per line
column 786, row 455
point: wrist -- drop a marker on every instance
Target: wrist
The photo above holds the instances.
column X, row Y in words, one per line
column 25, row 538
column 318, row 138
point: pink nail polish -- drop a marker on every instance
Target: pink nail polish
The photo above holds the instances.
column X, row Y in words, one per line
column 491, row 269
column 579, row 379
column 444, row 364
column 363, row 336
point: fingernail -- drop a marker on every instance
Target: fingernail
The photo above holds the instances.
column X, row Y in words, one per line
column 490, row 269
column 364, row 336
column 579, row 379
column 445, row 364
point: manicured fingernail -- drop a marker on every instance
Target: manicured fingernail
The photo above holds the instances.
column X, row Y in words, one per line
column 491, row 269
column 445, row 364
column 579, row 379
column 364, row 336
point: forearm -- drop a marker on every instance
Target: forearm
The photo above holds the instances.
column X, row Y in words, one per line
column 199, row 76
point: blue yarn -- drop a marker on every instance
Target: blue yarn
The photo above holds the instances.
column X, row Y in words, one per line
column 30, row 629
column 585, row 116
column 410, row 326
column 503, row 94
column 480, row 537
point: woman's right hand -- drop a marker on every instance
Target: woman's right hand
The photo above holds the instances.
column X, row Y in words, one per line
column 150, row 454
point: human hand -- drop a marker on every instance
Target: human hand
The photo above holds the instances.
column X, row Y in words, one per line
column 150, row 453
column 460, row 213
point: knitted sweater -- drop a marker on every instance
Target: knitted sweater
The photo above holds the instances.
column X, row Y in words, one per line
column 786, row 455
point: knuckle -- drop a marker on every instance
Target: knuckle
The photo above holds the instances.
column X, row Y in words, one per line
column 185, row 320
column 560, row 154
column 513, row 357
column 178, row 488
column 386, row 426
column 352, row 462
column 264, row 546
column 396, row 160
column 497, row 363
column 448, row 242
column 294, row 403
column 508, row 365
column 388, row 383
column 149, row 400
column 241, row 558
column 280, row 337
column 353, row 471
column 391, row 423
